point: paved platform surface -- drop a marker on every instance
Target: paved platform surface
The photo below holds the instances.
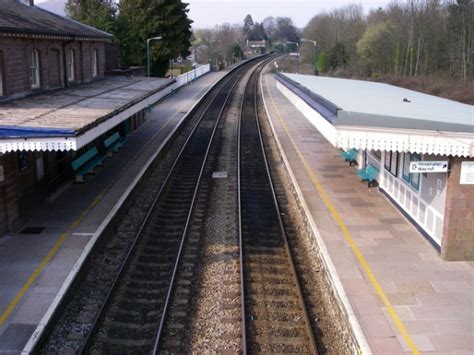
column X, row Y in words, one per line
column 33, row 267
column 406, row 298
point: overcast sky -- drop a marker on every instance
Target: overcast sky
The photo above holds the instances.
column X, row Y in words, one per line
column 206, row 13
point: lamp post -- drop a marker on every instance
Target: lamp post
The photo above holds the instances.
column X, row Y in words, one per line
column 211, row 51
column 148, row 53
column 297, row 53
column 314, row 51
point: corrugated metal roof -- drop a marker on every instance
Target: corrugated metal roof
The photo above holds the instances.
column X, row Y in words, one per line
column 75, row 110
column 366, row 103
column 16, row 17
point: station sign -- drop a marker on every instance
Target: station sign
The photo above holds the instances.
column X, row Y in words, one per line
column 429, row 166
column 467, row 173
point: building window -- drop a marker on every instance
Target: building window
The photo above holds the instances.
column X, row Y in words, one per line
column 2, row 91
column 70, row 64
column 23, row 161
column 377, row 154
column 391, row 162
column 35, row 70
column 411, row 178
column 94, row 63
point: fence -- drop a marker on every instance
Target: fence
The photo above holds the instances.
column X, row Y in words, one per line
column 186, row 78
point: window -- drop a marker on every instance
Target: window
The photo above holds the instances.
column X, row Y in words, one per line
column 35, row 70
column 391, row 162
column 23, row 161
column 94, row 63
column 1, row 74
column 411, row 178
column 377, row 154
column 70, row 64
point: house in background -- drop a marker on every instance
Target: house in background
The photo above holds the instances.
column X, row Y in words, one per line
column 255, row 47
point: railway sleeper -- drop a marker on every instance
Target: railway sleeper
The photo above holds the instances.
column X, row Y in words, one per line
column 130, row 325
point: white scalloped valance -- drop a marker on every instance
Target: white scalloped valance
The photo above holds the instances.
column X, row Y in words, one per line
column 407, row 141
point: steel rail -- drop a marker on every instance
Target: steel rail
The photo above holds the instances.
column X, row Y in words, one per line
column 188, row 219
column 301, row 302
column 131, row 250
column 239, row 211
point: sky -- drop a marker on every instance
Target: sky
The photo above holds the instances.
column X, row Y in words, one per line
column 208, row 13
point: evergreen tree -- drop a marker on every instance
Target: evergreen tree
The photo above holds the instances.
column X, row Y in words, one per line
column 96, row 13
column 248, row 27
column 142, row 19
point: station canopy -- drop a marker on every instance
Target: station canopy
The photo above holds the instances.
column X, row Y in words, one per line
column 68, row 119
column 376, row 116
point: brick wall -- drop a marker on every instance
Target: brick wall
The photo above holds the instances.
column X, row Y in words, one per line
column 458, row 230
column 17, row 61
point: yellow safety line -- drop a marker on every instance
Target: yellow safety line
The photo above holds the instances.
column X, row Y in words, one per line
column 33, row 278
column 340, row 222
column 36, row 273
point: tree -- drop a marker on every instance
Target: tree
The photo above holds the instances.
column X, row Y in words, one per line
column 322, row 63
column 460, row 37
column 269, row 26
column 285, row 30
column 236, row 51
column 142, row 19
column 338, row 56
column 96, row 13
column 377, row 50
column 248, row 26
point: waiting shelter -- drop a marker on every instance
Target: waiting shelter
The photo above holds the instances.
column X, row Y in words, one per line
column 418, row 148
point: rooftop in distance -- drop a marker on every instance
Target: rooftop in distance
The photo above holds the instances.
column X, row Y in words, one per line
column 366, row 103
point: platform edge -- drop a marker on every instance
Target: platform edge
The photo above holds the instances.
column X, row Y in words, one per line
column 38, row 332
column 333, row 276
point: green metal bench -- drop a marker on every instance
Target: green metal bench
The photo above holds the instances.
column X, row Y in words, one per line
column 86, row 163
column 350, row 156
column 368, row 174
column 114, row 143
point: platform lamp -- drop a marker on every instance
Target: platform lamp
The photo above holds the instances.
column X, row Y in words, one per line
column 314, row 52
column 148, row 53
column 297, row 52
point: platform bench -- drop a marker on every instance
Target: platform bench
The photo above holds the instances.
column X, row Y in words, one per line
column 369, row 174
column 86, row 163
column 114, row 143
column 350, row 156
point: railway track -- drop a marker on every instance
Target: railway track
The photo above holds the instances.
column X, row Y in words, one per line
column 124, row 315
column 133, row 316
column 150, row 304
column 274, row 315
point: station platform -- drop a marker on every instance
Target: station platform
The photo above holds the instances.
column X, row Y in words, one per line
column 33, row 267
column 404, row 296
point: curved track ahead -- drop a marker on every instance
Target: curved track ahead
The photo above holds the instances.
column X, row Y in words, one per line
column 274, row 315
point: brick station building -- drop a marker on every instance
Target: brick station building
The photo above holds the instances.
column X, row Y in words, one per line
column 55, row 102
column 421, row 147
